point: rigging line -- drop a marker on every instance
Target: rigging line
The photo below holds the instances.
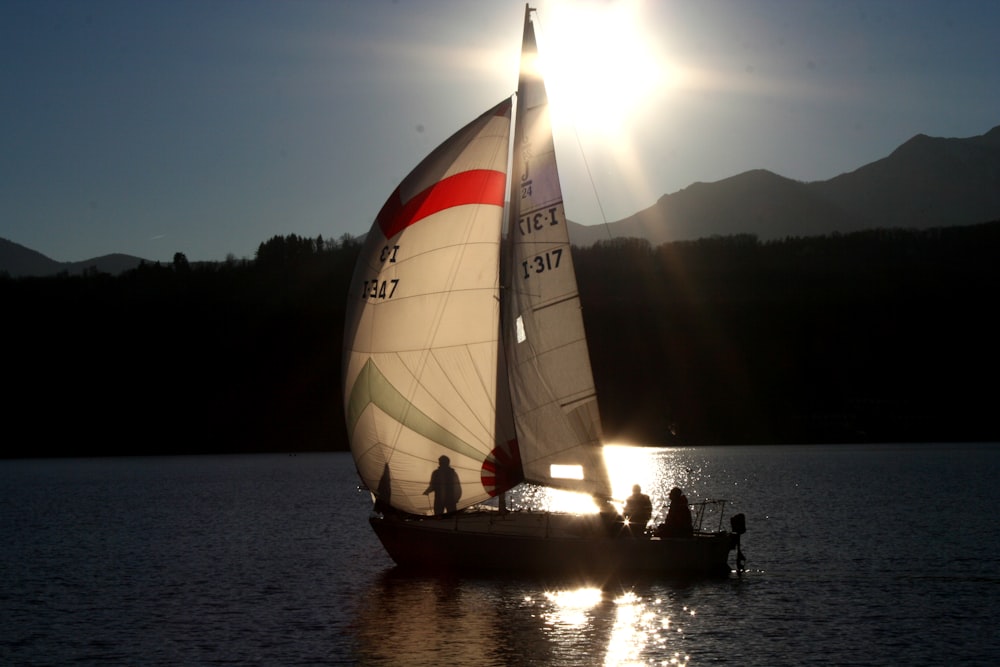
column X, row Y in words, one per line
column 593, row 185
column 579, row 144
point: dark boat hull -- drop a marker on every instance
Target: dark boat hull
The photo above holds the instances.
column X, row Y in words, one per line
column 543, row 543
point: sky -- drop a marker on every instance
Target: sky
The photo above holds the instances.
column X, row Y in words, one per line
column 207, row 127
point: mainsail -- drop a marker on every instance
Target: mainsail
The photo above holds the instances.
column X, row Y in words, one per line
column 551, row 382
column 422, row 327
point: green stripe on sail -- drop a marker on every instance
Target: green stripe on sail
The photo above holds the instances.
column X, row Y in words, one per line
column 371, row 387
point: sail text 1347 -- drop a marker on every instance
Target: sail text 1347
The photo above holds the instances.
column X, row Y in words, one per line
column 382, row 289
column 379, row 289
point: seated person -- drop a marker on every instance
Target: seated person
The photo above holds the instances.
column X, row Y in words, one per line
column 638, row 510
column 678, row 523
column 609, row 517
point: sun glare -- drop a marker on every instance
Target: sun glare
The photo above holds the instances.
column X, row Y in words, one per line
column 626, row 465
column 600, row 65
column 571, row 607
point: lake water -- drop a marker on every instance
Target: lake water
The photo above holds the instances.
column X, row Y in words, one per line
column 878, row 555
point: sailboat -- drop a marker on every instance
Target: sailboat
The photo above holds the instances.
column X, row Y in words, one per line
column 467, row 372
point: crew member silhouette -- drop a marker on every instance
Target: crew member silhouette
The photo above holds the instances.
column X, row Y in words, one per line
column 383, row 499
column 446, row 487
column 678, row 523
column 638, row 510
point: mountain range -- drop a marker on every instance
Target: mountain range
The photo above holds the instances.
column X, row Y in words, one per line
column 926, row 182
column 17, row 261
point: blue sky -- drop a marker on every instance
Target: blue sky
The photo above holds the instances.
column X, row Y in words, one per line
column 206, row 127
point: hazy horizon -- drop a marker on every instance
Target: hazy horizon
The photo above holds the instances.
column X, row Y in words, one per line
column 162, row 127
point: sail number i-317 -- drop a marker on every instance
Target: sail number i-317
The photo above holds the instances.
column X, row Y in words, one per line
column 535, row 223
column 539, row 263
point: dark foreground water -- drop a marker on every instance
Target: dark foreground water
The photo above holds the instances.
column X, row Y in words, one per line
column 883, row 555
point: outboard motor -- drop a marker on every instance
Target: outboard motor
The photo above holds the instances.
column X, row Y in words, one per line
column 738, row 523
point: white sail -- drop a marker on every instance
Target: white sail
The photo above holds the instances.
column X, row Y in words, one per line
column 426, row 375
column 422, row 326
column 551, row 383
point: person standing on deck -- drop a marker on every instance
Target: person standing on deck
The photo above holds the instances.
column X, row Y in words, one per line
column 446, row 487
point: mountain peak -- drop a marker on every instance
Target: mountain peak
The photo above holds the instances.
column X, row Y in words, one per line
column 913, row 145
column 991, row 138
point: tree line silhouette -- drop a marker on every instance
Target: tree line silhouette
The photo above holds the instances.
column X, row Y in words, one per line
column 879, row 336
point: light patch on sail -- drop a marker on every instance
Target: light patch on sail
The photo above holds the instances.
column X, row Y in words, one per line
column 559, row 471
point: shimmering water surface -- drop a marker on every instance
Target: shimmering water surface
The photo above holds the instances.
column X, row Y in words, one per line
column 882, row 555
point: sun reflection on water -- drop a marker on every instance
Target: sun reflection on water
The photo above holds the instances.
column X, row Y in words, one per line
column 655, row 469
column 640, row 629
column 570, row 607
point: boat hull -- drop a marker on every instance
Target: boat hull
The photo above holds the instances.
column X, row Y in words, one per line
column 546, row 543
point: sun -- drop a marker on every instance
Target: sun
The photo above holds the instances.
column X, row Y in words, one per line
column 601, row 67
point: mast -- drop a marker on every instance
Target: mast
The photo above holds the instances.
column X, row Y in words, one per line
column 551, row 382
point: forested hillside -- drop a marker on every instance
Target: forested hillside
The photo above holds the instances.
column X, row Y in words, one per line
column 868, row 337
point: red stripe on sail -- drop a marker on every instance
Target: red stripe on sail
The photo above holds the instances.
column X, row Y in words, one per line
column 478, row 186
